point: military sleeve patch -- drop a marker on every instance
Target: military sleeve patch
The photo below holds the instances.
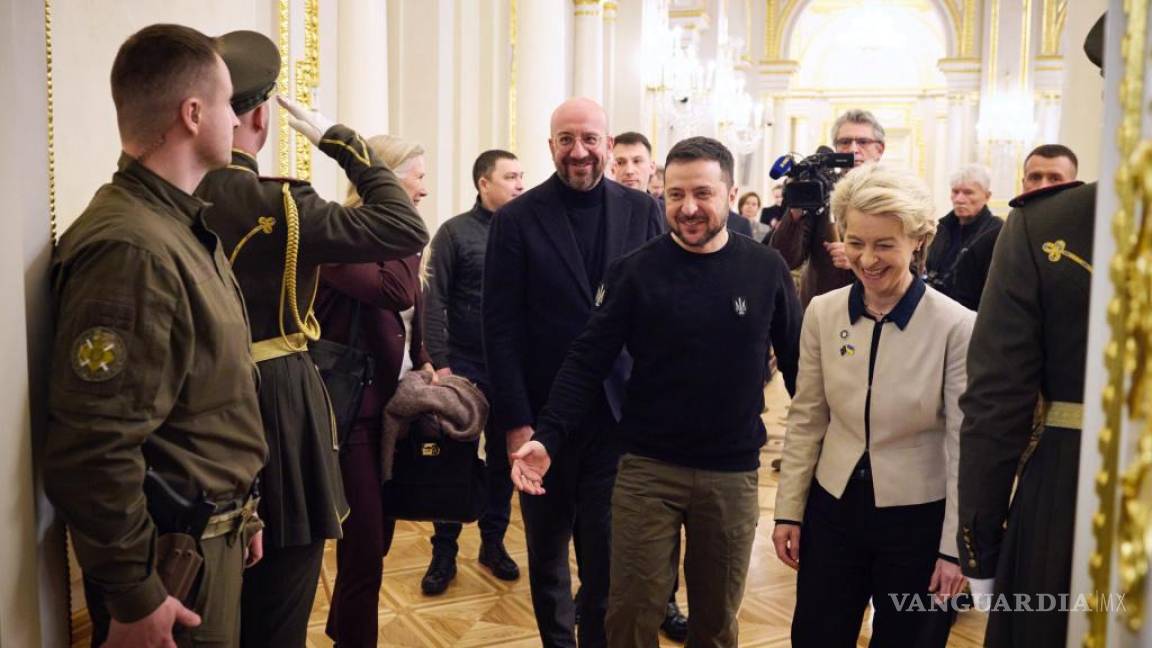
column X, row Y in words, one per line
column 98, row 354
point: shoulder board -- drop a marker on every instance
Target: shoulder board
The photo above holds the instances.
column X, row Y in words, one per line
column 1032, row 196
column 295, row 182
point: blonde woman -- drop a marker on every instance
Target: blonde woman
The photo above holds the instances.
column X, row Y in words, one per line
column 377, row 305
column 866, row 508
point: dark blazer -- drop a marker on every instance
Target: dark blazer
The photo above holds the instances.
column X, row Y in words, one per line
column 739, row 224
column 537, row 297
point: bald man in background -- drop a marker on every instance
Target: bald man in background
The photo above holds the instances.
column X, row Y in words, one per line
column 534, row 307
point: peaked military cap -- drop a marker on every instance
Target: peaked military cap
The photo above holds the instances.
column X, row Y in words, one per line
column 254, row 63
column 1094, row 43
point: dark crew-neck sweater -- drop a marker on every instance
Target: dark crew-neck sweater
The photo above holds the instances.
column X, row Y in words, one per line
column 585, row 211
column 698, row 327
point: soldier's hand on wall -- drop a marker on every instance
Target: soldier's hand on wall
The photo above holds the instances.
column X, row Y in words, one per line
column 154, row 629
column 309, row 123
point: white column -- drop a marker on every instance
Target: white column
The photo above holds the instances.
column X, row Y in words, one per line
column 771, row 82
column 633, row 63
column 588, row 50
column 962, row 81
column 610, row 61
column 1082, row 88
column 362, row 69
column 540, row 84
column 422, row 39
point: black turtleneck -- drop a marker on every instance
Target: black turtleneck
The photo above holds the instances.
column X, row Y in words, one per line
column 586, row 219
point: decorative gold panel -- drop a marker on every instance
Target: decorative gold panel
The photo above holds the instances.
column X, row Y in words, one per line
column 513, row 71
column 51, row 121
column 1125, row 397
column 286, row 135
column 307, row 80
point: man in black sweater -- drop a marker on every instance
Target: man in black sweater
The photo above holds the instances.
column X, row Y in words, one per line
column 453, row 339
column 697, row 310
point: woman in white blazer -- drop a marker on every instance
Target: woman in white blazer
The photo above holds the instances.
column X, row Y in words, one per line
column 866, row 508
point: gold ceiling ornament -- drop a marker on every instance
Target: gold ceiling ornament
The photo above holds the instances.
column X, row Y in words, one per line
column 51, row 97
column 285, row 137
column 1125, row 357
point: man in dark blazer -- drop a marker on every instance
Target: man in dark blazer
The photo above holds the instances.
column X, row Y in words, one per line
column 547, row 252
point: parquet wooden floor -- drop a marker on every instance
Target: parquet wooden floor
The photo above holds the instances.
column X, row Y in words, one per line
column 479, row 610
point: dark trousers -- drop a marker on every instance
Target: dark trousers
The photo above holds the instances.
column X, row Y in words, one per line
column 578, row 500
column 277, row 596
column 493, row 521
column 352, row 620
column 850, row 552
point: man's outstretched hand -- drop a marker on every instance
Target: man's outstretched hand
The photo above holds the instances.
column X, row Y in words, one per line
column 529, row 465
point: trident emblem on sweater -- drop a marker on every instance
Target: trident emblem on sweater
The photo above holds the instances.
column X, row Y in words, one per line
column 741, row 306
column 599, row 296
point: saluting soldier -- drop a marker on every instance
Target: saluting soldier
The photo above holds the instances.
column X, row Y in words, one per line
column 152, row 381
column 277, row 232
column 1029, row 340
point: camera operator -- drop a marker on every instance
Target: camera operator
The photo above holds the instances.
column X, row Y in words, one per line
column 809, row 236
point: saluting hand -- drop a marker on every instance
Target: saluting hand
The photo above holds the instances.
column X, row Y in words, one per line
column 309, row 123
column 786, row 539
column 529, row 465
column 154, row 630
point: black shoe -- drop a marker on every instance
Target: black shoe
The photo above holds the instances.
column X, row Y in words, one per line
column 776, row 464
column 675, row 625
column 440, row 572
column 495, row 558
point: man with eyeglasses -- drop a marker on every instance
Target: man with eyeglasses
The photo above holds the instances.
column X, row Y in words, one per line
column 801, row 238
column 547, row 254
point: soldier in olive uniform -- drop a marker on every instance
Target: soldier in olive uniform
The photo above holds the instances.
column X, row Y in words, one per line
column 151, row 369
column 1029, row 340
column 277, row 232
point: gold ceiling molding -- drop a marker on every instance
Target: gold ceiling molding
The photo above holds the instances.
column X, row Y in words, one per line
column 778, row 16
column 1126, row 356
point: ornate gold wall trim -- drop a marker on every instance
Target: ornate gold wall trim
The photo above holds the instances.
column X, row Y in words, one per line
column 513, row 71
column 1126, row 395
column 307, row 80
column 285, row 133
column 51, row 97
column 1025, row 43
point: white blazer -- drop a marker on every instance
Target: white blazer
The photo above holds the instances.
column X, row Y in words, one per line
column 915, row 412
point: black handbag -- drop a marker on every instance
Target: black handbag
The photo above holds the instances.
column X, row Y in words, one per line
column 434, row 477
column 346, row 371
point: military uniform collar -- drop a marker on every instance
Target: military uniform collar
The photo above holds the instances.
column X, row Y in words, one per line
column 1025, row 198
column 243, row 160
column 154, row 189
column 900, row 315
